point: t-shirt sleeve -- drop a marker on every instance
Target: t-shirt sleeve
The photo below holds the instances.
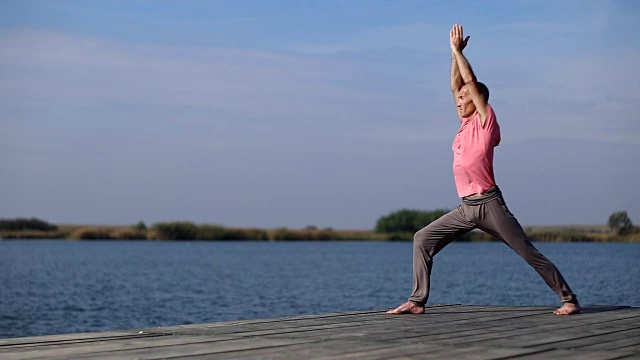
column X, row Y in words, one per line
column 490, row 121
column 491, row 126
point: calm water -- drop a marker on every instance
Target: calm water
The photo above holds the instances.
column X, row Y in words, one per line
column 52, row 287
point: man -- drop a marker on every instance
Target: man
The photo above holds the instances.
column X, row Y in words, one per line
column 482, row 206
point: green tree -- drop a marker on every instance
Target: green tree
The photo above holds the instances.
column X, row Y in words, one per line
column 176, row 230
column 211, row 232
column 620, row 223
column 427, row 217
column 140, row 225
column 407, row 220
column 21, row 224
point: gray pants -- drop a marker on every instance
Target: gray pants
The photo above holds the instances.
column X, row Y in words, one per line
column 489, row 213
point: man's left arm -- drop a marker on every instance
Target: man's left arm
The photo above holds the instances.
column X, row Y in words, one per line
column 466, row 72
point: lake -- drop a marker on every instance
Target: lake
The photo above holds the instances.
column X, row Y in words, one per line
column 54, row 287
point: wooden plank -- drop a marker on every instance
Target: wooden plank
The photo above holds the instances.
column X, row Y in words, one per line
column 66, row 338
column 524, row 338
column 429, row 328
column 221, row 328
column 338, row 317
column 613, row 344
column 416, row 323
column 178, row 350
column 79, row 348
column 555, row 329
column 433, row 351
column 483, row 353
column 505, row 335
column 632, row 348
column 246, row 327
column 460, row 332
column 577, row 355
column 406, row 331
column 341, row 349
column 603, row 337
column 454, row 328
column 302, row 351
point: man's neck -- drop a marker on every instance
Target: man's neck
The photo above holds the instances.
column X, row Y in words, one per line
column 467, row 119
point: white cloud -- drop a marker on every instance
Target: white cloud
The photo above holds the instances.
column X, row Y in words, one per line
column 346, row 111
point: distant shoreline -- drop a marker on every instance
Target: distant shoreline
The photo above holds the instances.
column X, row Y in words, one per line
column 191, row 232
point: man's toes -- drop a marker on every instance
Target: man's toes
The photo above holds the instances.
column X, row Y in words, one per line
column 561, row 311
column 568, row 310
column 402, row 309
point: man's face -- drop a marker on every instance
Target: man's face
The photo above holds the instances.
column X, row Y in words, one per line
column 466, row 108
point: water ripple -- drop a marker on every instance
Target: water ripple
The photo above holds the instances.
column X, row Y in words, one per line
column 53, row 287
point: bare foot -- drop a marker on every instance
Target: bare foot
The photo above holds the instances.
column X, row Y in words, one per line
column 568, row 309
column 407, row 308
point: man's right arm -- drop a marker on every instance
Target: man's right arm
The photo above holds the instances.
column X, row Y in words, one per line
column 456, row 78
column 468, row 77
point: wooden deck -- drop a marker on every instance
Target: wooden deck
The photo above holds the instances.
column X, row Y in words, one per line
column 446, row 331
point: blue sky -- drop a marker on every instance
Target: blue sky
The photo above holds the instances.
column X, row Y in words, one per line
column 295, row 113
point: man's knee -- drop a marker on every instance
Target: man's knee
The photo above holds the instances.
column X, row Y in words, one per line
column 421, row 239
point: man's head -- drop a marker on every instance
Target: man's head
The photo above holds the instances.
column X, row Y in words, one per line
column 466, row 107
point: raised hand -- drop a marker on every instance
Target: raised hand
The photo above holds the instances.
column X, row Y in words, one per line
column 456, row 39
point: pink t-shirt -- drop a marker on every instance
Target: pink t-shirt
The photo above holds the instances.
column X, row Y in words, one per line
column 473, row 154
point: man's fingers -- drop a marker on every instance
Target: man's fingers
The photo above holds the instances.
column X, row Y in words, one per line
column 463, row 44
column 456, row 35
